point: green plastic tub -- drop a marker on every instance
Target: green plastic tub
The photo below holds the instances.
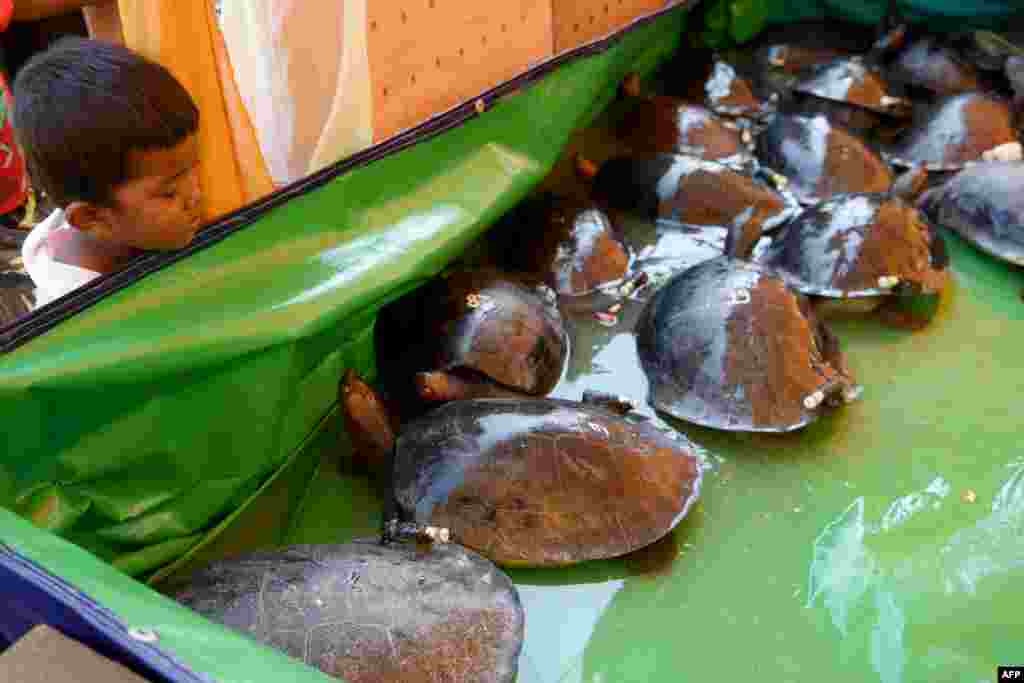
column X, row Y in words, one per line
column 186, row 410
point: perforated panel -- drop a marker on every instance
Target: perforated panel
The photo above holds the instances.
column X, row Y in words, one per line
column 578, row 22
column 427, row 56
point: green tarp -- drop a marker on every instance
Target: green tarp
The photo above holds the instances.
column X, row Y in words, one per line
column 138, row 424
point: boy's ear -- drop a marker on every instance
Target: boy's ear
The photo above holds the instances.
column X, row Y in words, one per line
column 90, row 218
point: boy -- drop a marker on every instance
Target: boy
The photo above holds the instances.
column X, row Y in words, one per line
column 110, row 136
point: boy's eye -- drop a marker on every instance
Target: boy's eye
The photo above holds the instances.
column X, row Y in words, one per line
column 168, row 194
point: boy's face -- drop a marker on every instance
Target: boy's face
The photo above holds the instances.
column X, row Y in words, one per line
column 159, row 207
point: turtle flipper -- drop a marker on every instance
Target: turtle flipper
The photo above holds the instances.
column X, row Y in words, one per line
column 368, row 422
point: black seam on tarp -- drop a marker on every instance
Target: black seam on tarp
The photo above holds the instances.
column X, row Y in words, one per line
column 145, row 658
column 46, row 317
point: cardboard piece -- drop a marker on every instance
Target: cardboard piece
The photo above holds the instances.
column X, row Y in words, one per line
column 45, row 655
column 579, row 22
column 427, row 57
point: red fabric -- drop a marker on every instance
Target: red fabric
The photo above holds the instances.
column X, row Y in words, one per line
column 13, row 176
column 6, row 13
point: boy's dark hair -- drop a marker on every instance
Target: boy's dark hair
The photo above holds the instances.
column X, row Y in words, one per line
column 83, row 105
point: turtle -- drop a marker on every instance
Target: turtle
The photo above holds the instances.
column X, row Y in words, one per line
column 820, row 158
column 853, row 92
column 729, row 346
column 572, row 244
column 930, row 66
column 873, row 248
column 366, row 611
column 797, row 46
column 538, row 481
column 777, row 58
column 728, row 93
column 678, row 247
column 1014, row 70
column 984, row 204
column 490, row 329
column 685, row 190
column 717, row 85
column 662, row 123
column 956, row 130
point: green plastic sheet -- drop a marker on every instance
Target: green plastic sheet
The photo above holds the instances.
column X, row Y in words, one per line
column 727, row 22
column 138, row 426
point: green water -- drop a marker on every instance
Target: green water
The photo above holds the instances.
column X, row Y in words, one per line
column 883, row 543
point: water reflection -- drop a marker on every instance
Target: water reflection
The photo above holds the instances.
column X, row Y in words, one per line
column 951, row 599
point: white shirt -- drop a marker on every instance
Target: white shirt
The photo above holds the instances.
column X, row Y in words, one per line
column 51, row 278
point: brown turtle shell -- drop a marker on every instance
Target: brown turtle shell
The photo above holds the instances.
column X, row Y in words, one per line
column 543, row 482
column 853, row 81
column 821, row 159
column 365, row 612
column 483, row 320
column 859, row 245
column 571, row 244
column 956, row 130
column 729, row 94
column 690, row 191
column 727, row 345
column 668, row 124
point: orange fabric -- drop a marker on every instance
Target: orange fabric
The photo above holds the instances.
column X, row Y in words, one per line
column 183, row 36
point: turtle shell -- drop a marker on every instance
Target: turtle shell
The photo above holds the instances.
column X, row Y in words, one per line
column 482, row 320
column 859, row 245
column 821, row 159
column 852, row 81
column 676, row 248
column 668, row 124
column 956, row 130
column 543, row 482
column 928, row 65
column 690, row 191
column 571, row 244
column 984, row 204
column 1014, row 70
column 729, row 94
column 728, row 345
column 365, row 612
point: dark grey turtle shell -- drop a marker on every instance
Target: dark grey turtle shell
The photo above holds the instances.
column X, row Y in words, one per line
column 821, row 159
column 728, row 345
column 929, row 65
column 984, row 204
column 859, row 245
column 543, row 482
column 1014, row 70
column 367, row 612
column 956, row 130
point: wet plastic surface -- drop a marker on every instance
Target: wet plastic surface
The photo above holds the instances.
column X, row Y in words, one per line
column 884, row 542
